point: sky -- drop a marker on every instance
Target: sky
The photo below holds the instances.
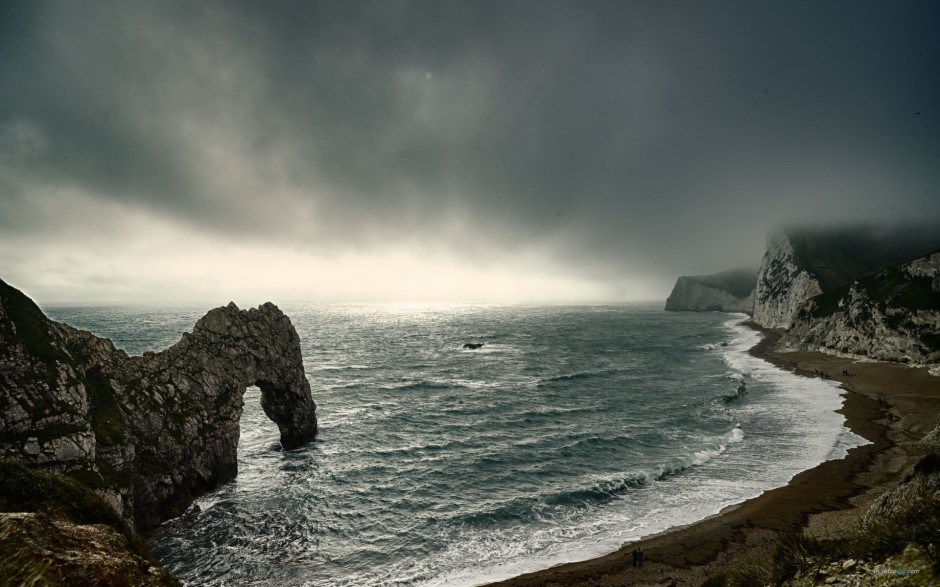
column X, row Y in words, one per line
column 432, row 150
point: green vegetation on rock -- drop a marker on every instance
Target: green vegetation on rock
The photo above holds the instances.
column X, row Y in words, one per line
column 72, row 522
column 902, row 548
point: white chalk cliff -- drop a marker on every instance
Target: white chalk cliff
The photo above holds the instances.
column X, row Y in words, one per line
column 783, row 283
column 728, row 291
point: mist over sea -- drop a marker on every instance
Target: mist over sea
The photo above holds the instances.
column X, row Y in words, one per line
column 573, row 430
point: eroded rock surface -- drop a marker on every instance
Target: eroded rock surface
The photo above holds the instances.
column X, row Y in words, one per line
column 893, row 315
column 149, row 433
column 783, row 282
column 800, row 263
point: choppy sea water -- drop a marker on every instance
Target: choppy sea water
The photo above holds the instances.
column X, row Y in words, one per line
column 573, row 430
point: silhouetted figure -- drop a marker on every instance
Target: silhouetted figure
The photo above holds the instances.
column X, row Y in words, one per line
column 473, row 345
column 639, row 556
column 636, row 557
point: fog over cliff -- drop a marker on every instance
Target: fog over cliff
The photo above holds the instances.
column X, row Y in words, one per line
column 447, row 150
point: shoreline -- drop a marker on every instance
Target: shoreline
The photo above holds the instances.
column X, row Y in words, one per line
column 890, row 405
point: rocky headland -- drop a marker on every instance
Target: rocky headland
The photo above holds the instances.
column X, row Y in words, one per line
column 728, row 291
column 147, row 434
column 857, row 291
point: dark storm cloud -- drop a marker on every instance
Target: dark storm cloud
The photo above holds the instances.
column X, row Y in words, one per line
column 663, row 137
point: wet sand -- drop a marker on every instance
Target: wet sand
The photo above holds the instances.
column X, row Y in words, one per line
column 890, row 405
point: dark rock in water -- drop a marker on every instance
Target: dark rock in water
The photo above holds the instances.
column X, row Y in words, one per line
column 473, row 345
column 149, row 434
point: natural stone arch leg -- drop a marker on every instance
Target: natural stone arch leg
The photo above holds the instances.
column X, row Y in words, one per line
column 291, row 411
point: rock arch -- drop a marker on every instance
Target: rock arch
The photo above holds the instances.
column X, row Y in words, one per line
column 148, row 433
column 203, row 379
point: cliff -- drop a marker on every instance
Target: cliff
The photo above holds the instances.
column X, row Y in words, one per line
column 800, row 263
column 729, row 291
column 149, row 434
column 892, row 315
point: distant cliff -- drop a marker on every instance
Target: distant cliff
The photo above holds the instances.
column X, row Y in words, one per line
column 149, row 434
column 728, row 291
column 891, row 315
column 800, row 263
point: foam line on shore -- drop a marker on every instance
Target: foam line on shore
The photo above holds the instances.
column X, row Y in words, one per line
column 828, row 437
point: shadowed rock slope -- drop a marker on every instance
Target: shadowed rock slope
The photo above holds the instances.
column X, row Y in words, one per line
column 149, row 434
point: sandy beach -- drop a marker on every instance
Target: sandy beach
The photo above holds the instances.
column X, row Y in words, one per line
column 890, row 405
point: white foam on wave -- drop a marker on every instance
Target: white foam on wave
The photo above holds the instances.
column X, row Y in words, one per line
column 810, row 403
column 812, row 432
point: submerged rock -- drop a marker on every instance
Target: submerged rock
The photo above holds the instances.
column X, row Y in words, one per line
column 151, row 433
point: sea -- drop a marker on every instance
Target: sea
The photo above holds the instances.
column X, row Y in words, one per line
column 573, row 430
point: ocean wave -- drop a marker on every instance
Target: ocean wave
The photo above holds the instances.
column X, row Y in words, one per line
column 601, row 491
column 705, row 453
column 432, row 385
column 342, row 368
column 739, row 392
column 578, row 376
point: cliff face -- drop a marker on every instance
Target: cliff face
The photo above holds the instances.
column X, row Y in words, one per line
column 783, row 283
column 150, row 433
column 893, row 315
column 800, row 263
column 730, row 291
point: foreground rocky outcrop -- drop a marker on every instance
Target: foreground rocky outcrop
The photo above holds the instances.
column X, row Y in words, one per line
column 728, row 291
column 892, row 315
column 151, row 433
column 800, row 263
column 55, row 531
column 894, row 545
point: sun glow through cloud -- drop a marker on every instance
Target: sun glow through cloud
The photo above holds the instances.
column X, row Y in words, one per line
column 446, row 150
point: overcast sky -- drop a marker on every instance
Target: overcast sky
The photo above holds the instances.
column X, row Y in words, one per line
column 433, row 150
